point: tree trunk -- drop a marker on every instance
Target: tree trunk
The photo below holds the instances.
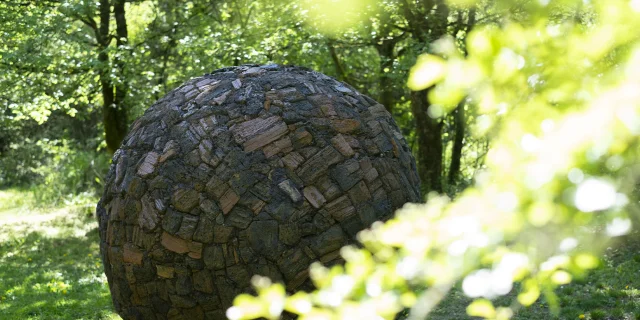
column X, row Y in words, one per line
column 429, row 134
column 456, row 153
column 428, row 130
column 386, row 93
column 341, row 73
column 114, row 115
column 386, row 51
column 122, row 39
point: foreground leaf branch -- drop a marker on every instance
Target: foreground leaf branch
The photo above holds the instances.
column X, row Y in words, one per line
column 560, row 98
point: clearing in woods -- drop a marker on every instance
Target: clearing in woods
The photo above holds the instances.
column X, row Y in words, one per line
column 50, row 266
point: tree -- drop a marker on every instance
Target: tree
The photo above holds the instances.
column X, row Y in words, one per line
column 397, row 32
column 114, row 58
column 561, row 175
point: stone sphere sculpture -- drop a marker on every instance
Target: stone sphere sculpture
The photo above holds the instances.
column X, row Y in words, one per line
column 249, row 170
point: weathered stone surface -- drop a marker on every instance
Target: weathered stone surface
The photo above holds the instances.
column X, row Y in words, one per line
column 148, row 218
column 329, row 189
column 242, row 181
column 221, row 234
column 165, row 271
column 293, row 261
column 202, row 281
column 341, row 208
column 209, row 207
column 208, row 154
column 330, row 240
column 347, row 174
column 352, row 225
column 248, row 170
column 263, row 237
column 216, row 187
column 148, row 165
column 290, row 233
column 301, row 138
column 237, row 83
column 228, row 200
column 345, row 125
column 240, row 217
column 185, row 199
column 257, row 133
column 297, row 281
column 195, row 249
column 318, row 164
column 291, row 190
column 213, row 257
column 314, row 196
column 342, row 146
column 330, row 257
column 282, row 145
column 131, row 254
column 204, row 231
column 137, row 187
column 174, row 244
column 171, row 221
column 266, row 137
column 240, row 275
column 324, row 102
column 187, row 227
column 359, row 193
column 367, row 213
column 293, row 160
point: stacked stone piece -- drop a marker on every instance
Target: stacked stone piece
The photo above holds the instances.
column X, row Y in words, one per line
column 248, row 170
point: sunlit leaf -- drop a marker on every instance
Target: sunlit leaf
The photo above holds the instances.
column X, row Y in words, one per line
column 481, row 308
column 428, row 70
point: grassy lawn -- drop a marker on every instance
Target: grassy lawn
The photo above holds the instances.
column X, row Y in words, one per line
column 49, row 263
column 50, row 269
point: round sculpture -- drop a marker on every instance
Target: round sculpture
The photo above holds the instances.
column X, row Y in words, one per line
column 248, row 170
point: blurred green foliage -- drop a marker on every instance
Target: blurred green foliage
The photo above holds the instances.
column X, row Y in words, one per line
column 555, row 84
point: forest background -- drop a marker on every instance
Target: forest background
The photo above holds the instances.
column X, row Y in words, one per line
column 523, row 117
column 75, row 74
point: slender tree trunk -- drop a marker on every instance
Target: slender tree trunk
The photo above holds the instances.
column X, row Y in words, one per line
column 428, row 130
column 385, row 45
column 167, row 24
column 456, row 153
column 122, row 39
column 342, row 74
column 114, row 115
column 429, row 134
column 459, row 113
column 386, row 93
column 385, row 51
column 122, row 42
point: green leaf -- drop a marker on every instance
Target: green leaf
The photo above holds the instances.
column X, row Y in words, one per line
column 481, row 308
column 530, row 294
column 428, row 70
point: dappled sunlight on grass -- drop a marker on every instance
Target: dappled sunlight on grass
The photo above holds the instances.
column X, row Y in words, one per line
column 50, row 223
column 50, row 266
column 14, row 199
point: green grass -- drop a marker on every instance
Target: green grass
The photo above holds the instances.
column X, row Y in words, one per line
column 11, row 199
column 611, row 292
column 49, row 263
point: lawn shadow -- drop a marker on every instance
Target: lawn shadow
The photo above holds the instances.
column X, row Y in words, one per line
column 54, row 272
